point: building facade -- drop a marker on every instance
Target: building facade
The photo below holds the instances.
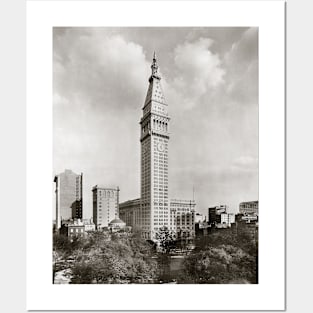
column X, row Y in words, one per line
column 153, row 210
column 73, row 228
column 182, row 217
column 129, row 212
column 199, row 218
column 105, row 202
column 249, row 208
column 154, row 199
column 77, row 227
column 69, row 196
column 214, row 213
column 89, row 225
column 227, row 218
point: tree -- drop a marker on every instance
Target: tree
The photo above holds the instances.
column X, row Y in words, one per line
column 121, row 261
column 220, row 265
column 165, row 240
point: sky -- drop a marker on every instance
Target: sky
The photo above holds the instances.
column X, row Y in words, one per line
column 210, row 83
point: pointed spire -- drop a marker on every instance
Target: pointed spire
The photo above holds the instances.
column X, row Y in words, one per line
column 154, row 67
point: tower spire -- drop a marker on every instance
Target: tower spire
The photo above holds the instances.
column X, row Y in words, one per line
column 154, row 67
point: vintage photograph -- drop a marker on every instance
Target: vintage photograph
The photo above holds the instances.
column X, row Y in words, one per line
column 155, row 155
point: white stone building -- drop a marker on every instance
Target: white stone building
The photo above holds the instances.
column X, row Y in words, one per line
column 105, row 205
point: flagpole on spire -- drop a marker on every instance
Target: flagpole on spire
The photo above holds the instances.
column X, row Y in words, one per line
column 154, row 67
column 193, row 192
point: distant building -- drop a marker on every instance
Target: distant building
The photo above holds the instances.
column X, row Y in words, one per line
column 219, row 217
column 69, row 196
column 105, row 205
column 199, row 218
column 202, row 228
column 89, row 225
column 182, row 217
column 248, row 218
column 116, row 225
column 73, row 228
column 249, row 208
column 227, row 218
column 129, row 212
column 214, row 213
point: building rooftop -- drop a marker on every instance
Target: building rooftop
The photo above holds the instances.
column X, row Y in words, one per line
column 117, row 221
column 104, row 187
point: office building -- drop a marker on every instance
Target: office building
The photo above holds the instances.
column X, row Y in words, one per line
column 153, row 210
column 182, row 217
column 214, row 213
column 154, row 200
column 69, row 196
column 105, row 202
column 129, row 212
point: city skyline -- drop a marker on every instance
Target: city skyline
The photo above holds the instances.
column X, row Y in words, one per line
column 210, row 82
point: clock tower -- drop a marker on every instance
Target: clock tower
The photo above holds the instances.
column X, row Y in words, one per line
column 154, row 201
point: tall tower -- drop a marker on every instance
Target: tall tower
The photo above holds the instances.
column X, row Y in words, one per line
column 154, row 203
column 69, row 196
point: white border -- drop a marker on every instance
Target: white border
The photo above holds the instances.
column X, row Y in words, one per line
column 269, row 293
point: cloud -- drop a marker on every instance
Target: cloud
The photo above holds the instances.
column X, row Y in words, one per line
column 199, row 70
column 246, row 163
column 100, row 82
column 243, row 68
column 90, row 74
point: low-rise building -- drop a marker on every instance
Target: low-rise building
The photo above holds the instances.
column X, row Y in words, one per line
column 73, row 228
column 117, row 225
column 89, row 225
column 227, row 218
column 249, row 218
column 199, row 218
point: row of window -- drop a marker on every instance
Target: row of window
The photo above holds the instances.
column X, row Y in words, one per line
column 77, row 230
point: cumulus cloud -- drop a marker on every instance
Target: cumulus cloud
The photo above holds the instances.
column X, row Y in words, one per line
column 100, row 82
column 88, row 65
column 199, row 69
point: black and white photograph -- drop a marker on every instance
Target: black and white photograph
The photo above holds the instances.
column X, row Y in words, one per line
column 155, row 176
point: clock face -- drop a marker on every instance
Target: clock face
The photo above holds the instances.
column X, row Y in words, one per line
column 161, row 147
